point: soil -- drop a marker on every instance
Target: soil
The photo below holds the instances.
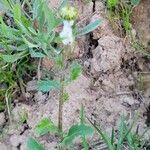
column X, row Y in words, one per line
column 108, row 87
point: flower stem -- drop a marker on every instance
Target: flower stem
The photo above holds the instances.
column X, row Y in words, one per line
column 60, row 115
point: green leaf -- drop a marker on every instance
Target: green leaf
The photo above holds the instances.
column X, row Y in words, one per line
column 121, row 133
column 35, row 54
column 65, row 97
column 62, row 4
column 45, row 126
column 81, row 130
column 104, row 136
column 17, row 12
column 135, row 2
column 75, row 71
column 82, row 115
column 12, row 58
column 31, row 45
column 32, row 144
column 59, row 61
column 112, row 3
column 47, row 85
column 50, row 17
column 90, row 27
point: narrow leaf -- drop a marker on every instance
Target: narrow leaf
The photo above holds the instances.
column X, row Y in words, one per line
column 12, row 58
column 104, row 136
column 31, row 45
column 90, row 27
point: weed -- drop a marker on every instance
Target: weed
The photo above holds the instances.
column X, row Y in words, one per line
column 124, row 139
column 121, row 11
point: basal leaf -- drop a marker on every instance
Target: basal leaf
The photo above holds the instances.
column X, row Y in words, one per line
column 47, row 85
column 45, row 126
column 32, row 144
column 81, row 130
column 90, row 27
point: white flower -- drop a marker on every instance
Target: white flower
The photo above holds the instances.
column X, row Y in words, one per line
column 66, row 34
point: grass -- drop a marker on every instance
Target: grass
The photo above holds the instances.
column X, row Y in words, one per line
column 121, row 10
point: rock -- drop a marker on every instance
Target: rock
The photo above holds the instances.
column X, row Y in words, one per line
column 107, row 56
column 31, row 86
column 39, row 97
column 2, row 119
column 129, row 100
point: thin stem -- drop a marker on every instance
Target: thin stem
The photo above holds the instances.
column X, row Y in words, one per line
column 39, row 70
column 61, row 101
column 8, row 105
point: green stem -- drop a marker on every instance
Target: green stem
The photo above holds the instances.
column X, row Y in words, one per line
column 60, row 115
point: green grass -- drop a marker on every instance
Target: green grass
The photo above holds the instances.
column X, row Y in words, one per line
column 122, row 10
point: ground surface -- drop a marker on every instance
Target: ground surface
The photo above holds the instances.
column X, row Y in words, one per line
column 108, row 86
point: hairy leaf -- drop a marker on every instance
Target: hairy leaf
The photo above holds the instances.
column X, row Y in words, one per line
column 45, row 126
column 76, row 131
column 75, row 71
column 36, row 54
column 90, row 27
column 32, row 144
column 47, row 85
column 135, row 2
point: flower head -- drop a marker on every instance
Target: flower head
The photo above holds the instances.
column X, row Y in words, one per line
column 69, row 13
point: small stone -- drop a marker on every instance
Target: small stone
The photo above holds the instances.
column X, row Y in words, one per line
column 31, row 86
column 87, row 64
column 39, row 96
column 129, row 100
